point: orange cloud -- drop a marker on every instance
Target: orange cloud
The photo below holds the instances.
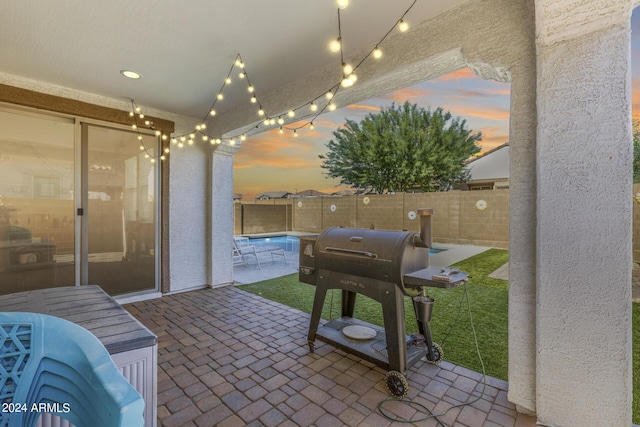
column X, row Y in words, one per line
column 483, row 113
column 363, row 107
column 402, row 95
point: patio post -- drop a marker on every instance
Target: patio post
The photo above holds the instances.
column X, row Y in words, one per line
column 584, row 187
column 221, row 214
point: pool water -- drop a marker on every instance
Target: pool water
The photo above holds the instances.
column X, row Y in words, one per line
column 292, row 243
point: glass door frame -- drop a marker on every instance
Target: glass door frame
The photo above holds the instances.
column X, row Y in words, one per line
column 82, row 201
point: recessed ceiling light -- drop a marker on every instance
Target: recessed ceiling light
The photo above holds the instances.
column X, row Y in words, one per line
column 130, row 74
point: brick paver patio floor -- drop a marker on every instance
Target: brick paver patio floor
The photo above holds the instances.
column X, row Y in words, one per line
column 230, row 358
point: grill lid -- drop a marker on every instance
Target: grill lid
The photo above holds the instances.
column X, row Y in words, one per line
column 377, row 254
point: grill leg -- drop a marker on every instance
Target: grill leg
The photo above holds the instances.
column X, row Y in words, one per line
column 393, row 314
column 348, row 303
column 318, row 302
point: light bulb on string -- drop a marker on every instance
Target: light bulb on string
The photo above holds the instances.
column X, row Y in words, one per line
column 190, row 142
column 147, row 122
column 174, row 141
column 242, row 75
column 157, row 133
column 162, row 157
column 180, row 145
column 313, row 107
column 254, row 99
column 142, row 148
column 347, row 69
column 146, row 156
column 166, row 150
column 141, row 116
column 243, row 137
column 261, row 112
column 153, row 160
column 335, row 45
column 346, row 82
column 281, row 131
column 192, row 135
column 403, row 26
column 212, row 112
column 139, row 137
column 131, row 114
column 332, row 106
column 352, row 78
column 272, row 121
column 212, row 141
column 205, row 137
column 183, row 138
column 280, row 120
column 377, row 53
column 329, row 95
column 227, row 80
column 220, row 96
column 198, row 127
column 232, row 141
column 137, row 109
column 238, row 62
column 291, row 113
column 164, row 137
column 312, row 126
column 266, row 122
column 295, row 133
column 134, row 126
column 203, row 126
column 342, row 4
column 218, row 141
column 250, row 89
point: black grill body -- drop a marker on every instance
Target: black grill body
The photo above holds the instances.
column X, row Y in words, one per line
column 383, row 265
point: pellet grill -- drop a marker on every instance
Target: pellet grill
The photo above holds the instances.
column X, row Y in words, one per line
column 385, row 266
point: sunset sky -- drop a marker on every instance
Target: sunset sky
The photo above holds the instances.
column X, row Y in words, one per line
column 274, row 162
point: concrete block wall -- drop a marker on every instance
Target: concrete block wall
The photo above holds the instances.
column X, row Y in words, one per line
column 262, row 218
column 636, row 224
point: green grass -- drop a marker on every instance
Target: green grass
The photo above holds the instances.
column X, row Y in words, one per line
column 450, row 326
column 636, row 363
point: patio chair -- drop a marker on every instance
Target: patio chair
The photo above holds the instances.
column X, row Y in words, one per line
column 50, row 365
column 242, row 248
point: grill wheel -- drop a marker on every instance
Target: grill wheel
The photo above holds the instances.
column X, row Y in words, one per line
column 397, row 384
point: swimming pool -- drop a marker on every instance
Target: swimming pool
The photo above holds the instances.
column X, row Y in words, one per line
column 292, row 243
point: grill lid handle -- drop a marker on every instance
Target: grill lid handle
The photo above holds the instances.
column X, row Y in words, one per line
column 351, row 252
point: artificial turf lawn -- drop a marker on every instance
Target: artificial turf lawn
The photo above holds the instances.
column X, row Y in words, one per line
column 489, row 308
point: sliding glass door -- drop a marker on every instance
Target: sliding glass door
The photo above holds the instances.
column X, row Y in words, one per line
column 37, row 202
column 121, row 209
column 78, row 205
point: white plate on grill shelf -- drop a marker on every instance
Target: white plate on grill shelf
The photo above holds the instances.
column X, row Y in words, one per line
column 359, row 332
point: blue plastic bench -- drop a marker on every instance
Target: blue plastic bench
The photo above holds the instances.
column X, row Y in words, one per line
column 50, row 365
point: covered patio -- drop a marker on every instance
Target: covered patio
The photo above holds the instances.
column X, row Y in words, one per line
column 230, row 358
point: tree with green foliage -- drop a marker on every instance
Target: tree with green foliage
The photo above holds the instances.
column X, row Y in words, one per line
column 636, row 151
column 402, row 148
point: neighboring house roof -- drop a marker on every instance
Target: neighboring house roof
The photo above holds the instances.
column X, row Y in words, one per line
column 493, row 164
column 273, row 195
column 309, row 193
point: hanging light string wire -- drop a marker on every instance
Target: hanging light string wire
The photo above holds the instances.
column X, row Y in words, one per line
column 330, row 93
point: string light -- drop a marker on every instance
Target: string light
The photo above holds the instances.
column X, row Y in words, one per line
column 349, row 78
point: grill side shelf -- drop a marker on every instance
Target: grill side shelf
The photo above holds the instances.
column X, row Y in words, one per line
column 434, row 277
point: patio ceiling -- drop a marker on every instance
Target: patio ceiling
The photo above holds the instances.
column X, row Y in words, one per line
column 184, row 50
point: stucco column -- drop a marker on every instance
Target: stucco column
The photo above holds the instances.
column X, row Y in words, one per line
column 522, row 236
column 584, row 188
column 221, row 214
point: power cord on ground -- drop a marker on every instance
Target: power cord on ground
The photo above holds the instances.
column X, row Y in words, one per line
column 391, row 417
